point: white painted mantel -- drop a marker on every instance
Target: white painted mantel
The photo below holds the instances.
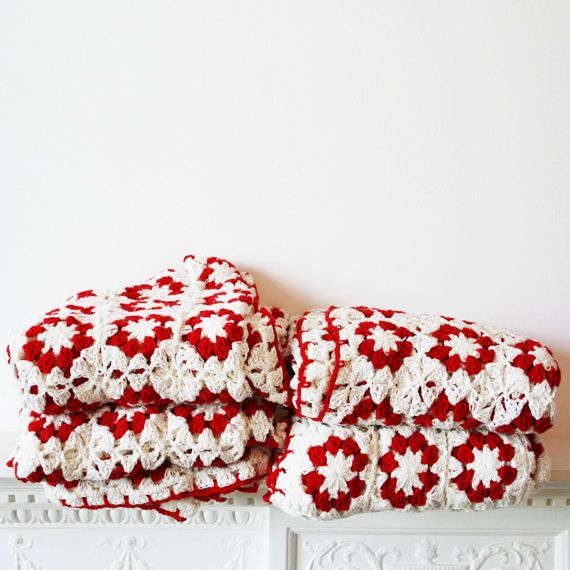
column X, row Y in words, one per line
column 246, row 534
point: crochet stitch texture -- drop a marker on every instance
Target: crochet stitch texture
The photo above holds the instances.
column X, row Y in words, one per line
column 184, row 336
column 179, row 390
column 377, row 367
column 118, row 442
column 329, row 472
column 159, row 395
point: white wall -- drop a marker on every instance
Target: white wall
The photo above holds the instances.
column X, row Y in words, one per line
column 401, row 154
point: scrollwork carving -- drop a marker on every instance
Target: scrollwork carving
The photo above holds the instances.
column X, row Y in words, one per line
column 526, row 556
column 341, row 554
column 345, row 551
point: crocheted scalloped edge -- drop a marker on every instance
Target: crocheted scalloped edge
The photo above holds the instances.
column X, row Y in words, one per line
column 117, row 442
column 175, row 484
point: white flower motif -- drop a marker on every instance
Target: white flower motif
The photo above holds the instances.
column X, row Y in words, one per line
column 485, row 465
column 222, row 272
column 542, row 356
column 58, row 336
column 213, row 326
column 384, row 340
column 463, row 346
column 140, row 329
column 407, row 473
column 336, row 472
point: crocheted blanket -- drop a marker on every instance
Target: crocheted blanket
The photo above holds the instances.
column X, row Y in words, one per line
column 193, row 335
column 113, row 443
column 170, row 490
column 179, row 390
column 376, row 367
column 329, row 472
column 158, row 395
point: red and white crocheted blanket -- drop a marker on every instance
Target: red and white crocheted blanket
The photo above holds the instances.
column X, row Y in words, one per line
column 168, row 393
column 157, row 395
column 358, row 365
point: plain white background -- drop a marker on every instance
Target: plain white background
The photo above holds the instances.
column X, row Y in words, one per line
column 406, row 155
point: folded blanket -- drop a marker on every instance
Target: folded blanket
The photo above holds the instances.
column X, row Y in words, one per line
column 370, row 366
column 169, row 393
column 170, row 490
column 113, row 443
column 334, row 471
column 193, row 335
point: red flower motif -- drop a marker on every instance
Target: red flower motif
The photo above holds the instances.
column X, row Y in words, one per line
column 536, row 371
column 338, row 475
column 408, row 466
column 57, row 342
column 384, row 344
column 462, row 348
column 486, row 469
column 214, row 332
column 139, row 334
column 163, row 291
column 219, row 272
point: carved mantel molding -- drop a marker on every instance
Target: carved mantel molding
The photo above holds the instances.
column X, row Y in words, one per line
column 236, row 535
column 341, row 554
column 26, row 505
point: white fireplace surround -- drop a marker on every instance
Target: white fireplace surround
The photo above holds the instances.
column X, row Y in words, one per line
column 247, row 534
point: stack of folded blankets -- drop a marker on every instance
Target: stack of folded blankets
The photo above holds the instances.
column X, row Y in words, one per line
column 413, row 412
column 180, row 390
column 156, row 396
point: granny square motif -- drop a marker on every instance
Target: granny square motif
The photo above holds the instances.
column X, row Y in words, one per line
column 377, row 367
column 329, row 472
column 173, row 392
column 191, row 335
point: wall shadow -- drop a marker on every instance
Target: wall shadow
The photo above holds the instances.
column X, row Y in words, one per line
column 282, row 294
